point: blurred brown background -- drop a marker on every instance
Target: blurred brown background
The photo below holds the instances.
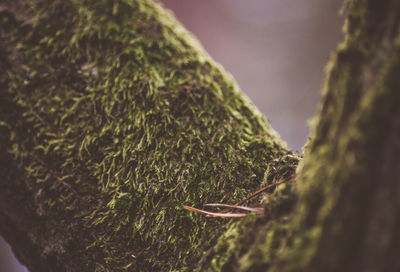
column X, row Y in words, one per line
column 276, row 51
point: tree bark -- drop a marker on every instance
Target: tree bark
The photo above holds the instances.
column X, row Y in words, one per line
column 113, row 117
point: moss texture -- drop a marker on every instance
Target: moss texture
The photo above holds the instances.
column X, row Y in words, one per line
column 115, row 117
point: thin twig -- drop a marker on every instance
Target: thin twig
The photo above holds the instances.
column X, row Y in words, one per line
column 244, row 208
column 227, row 214
column 214, row 214
column 263, row 189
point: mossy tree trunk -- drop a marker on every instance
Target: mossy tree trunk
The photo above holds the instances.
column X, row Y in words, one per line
column 113, row 117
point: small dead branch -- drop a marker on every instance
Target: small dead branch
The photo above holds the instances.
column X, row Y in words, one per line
column 225, row 213
column 259, row 191
column 244, row 208
column 215, row 214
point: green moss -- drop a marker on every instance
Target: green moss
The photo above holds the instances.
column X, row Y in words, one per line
column 126, row 119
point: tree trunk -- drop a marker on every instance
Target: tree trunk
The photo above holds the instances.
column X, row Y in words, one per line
column 113, row 117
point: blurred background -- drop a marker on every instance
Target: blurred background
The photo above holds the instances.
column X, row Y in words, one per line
column 275, row 49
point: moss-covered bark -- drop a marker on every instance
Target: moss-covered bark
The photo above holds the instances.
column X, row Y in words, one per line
column 113, row 117
column 351, row 201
